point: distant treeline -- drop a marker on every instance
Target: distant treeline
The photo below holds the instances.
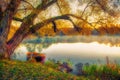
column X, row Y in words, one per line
column 111, row 40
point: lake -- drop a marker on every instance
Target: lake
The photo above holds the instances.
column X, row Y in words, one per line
column 83, row 52
column 92, row 49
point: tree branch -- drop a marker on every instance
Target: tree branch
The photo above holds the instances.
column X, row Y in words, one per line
column 85, row 8
column 1, row 13
column 17, row 19
column 28, row 4
column 59, row 8
column 101, row 5
column 78, row 17
column 27, row 22
column 54, row 26
column 105, row 8
column 65, row 17
column 13, row 5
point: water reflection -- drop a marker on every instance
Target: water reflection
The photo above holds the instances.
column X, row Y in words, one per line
column 92, row 49
column 82, row 52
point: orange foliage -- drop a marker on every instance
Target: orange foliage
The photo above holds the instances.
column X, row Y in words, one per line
column 13, row 29
column 32, row 55
column 64, row 24
column 46, row 30
column 111, row 29
column 64, row 6
column 86, row 31
column 68, row 31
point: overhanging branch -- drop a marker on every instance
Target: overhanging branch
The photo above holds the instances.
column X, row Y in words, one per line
column 18, row 36
column 54, row 26
column 17, row 19
column 64, row 17
column 27, row 22
column 105, row 8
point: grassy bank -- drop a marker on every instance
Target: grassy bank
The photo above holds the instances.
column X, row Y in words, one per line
column 17, row 70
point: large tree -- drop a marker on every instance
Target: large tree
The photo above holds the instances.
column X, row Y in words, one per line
column 29, row 23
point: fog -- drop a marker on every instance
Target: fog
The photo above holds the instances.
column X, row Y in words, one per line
column 82, row 52
column 83, row 49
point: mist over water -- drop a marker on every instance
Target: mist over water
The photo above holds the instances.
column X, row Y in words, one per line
column 92, row 49
column 20, row 53
column 83, row 52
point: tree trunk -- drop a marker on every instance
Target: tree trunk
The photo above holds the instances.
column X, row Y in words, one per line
column 3, row 36
column 23, row 31
column 3, row 50
column 14, row 43
column 5, row 21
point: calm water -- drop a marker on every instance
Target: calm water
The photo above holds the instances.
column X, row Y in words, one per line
column 83, row 52
column 84, row 49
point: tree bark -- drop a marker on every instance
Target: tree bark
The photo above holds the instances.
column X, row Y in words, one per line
column 22, row 32
column 15, row 41
column 3, row 36
column 5, row 21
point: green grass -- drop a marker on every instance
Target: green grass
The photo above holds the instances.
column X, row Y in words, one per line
column 17, row 70
column 103, row 72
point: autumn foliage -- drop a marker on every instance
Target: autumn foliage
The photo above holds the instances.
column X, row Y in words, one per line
column 36, row 57
column 109, row 29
